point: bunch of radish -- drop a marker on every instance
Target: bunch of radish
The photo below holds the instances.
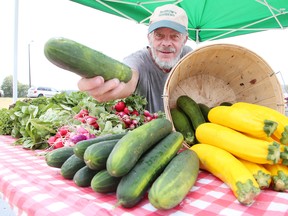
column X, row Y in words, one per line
column 69, row 136
column 126, row 114
column 132, row 117
column 84, row 117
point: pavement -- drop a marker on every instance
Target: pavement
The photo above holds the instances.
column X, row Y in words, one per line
column 5, row 209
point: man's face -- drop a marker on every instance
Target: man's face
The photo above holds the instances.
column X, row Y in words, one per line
column 166, row 46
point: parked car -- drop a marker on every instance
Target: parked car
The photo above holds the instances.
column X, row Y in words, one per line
column 1, row 93
column 41, row 91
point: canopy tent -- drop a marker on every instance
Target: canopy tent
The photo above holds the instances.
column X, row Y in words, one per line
column 208, row 19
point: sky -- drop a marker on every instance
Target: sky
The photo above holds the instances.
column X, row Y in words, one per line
column 40, row 20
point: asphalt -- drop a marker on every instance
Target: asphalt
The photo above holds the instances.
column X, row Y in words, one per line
column 5, row 209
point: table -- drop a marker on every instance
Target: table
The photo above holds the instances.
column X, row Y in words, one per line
column 32, row 188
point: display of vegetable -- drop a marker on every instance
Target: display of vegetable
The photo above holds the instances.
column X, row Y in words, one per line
column 68, row 122
column 84, row 61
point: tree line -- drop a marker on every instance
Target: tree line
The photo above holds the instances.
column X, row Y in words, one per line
column 7, row 87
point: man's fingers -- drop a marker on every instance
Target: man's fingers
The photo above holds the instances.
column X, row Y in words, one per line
column 85, row 84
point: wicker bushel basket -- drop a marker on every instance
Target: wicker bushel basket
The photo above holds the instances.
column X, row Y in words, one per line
column 223, row 73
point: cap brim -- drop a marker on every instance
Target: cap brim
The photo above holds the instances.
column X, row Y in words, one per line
column 167, row 24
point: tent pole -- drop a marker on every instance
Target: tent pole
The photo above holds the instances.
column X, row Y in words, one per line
column 15, row 91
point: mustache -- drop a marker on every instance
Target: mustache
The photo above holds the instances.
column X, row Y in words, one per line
column 166, row 49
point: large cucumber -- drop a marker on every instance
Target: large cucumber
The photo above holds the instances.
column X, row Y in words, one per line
column 179, row 176
column 80, row 147
column 192, row 110
column 84, row 61
column 183, row 124
column 96, row 155
column 103, row 182
column 57, row 157
column 129, row 148
column 71, row 166
column 135, row 184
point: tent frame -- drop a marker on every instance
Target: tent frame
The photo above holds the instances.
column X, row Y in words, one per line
column 274, row 15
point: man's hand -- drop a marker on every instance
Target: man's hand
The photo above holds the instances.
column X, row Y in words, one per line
column 110, row 90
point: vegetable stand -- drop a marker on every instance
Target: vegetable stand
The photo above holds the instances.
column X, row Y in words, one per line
column 31, row 188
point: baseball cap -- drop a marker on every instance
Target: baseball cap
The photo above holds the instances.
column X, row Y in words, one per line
column 169, row 16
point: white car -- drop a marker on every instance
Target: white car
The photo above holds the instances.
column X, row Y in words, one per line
column 41, row 91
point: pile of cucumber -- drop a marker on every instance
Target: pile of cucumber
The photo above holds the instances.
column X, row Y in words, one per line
column 187, row 116
column 149, row 159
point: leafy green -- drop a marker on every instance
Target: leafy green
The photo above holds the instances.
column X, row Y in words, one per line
column 34, row 121
column 5, row 122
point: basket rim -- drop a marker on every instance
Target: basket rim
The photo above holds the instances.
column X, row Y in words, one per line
column 261, row 61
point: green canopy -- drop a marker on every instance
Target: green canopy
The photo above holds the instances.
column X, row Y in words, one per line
column 208, row 19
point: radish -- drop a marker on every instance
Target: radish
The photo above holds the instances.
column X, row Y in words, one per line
column 51, row 140
column 120, row 106
column 79, row 137
column 91, row 120
column 83, row 112
column 135, row 112
column 146, row 113
column 126, row 110
column 58, row 144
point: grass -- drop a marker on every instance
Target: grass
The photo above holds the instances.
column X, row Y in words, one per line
column 5, row 102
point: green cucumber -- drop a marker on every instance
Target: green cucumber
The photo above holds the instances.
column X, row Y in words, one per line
column 129, row 148
column 191, row 109
column 182, row 124
column 80, row 147
column 175, row 182
column 84, row 61
column 103, row 182
column 136, row 183
column 71, row 166
column 97, row 154
column 57, row 157
column 226, row 103
column 83, row 176
column 205, row 110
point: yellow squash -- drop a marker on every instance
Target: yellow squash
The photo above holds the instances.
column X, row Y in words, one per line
column 243, row 120
column 283, row 154
column 238, row 144
column 260, row 173
column 281, row 133
column 230, row 170
column 279, row 173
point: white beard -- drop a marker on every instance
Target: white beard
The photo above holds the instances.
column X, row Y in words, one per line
column 164, row 65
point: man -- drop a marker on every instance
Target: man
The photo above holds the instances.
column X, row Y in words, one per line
column 167, row 36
